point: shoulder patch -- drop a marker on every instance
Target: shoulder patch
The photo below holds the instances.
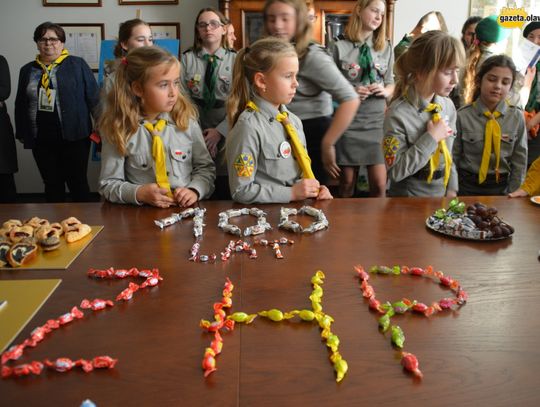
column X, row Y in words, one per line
column 244, row 165
column 390, row 148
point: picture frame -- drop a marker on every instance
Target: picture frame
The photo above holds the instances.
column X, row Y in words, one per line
column 84, row 40
column 164, row 31
column 71, row 3
column 147, row 2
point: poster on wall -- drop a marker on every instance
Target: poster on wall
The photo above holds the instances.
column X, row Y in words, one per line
column 162, row 31
column 84, row 40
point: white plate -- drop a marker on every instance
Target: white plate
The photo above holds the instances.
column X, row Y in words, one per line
column 535, row 199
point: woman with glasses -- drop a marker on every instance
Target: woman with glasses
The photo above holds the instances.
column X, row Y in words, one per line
column 206, row 75
column 56, row 96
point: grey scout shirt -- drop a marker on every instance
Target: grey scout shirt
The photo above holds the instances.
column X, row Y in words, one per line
column 405, row 125
column 261, row 141
column 319, row 81
column 192, row 79
column 469, row 144
column 345, row 53
column 189, row 164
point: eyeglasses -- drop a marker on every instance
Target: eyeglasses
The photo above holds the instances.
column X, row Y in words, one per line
column 212, row 23
column 53, row 41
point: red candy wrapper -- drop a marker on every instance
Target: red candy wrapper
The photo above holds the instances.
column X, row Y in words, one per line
column 96, row 304
column 410, row 363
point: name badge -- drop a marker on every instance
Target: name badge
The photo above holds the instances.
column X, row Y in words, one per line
column 285, row 149
column 43, row 101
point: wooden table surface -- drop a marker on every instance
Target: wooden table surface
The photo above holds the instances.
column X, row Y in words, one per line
column 486, row 353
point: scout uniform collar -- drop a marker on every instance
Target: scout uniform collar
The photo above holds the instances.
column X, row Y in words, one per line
column 368, row 41
column 480, row 108
column 266, row 108
column 219, row 54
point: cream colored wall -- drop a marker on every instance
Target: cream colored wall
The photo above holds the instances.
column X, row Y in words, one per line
column 408, row 12
column 19, row 18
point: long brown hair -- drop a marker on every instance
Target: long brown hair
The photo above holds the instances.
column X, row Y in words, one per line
column 121, row 118
column 197, row 40
column 475, row 53
column 262, row 56
column 428, row 54
column 354, row 26
column 302, row 37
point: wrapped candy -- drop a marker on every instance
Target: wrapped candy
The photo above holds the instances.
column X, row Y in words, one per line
column 103, row 362
column 96, row 304
column 384, row 322
column 209, row 362
column 340, row 366
column 242, row 317
column 273, row 314
column 127, row 294
column 410, row 363
column 66, row 318
column 398, row 337
column 60, row 365
column 168, row 221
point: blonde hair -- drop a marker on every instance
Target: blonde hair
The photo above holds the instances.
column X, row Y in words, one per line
column 197, row 40
column 120, row 119
column 354, row 26
column 302, row 37
column 262, row 56
column 428, row 54
column 473, row 57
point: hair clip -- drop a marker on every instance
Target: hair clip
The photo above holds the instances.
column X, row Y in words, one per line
column 124, row 61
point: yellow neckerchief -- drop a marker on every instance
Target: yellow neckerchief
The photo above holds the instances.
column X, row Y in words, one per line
column 436, row 110
column 47, row 69
column 492, row 141
column 158, row 153
column 299, row 151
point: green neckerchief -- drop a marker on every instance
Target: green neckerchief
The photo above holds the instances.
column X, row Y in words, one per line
column 532, row 104
column 366, row 64
column 210, row 79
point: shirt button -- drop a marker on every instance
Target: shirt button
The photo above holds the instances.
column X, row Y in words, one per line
column 271, row 119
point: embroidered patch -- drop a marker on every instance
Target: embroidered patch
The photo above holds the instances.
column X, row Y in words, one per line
column 390, row 148
column 244, row 165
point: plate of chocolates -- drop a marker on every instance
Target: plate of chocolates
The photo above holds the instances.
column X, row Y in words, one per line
column 473, row 222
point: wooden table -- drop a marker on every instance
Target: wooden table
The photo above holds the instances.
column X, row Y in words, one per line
column 486, row 353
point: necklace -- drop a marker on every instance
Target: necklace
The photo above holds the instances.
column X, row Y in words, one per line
column 388, row 309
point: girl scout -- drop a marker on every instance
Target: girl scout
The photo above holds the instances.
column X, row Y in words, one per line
column 153, row 149
column 490, row 150
column 420, row 122
column 265, row 149
column 365, row 58
column 319, row 81
column 206, row 75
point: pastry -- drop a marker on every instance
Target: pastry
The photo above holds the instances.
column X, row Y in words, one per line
column 4, row 232
column 48, row 238
column 81, row 230
column 8, row 224
column 36, row 222
column 70, row 224
column 19, row 233
column 22, row 253
column 5, row 245
column 57, row 226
